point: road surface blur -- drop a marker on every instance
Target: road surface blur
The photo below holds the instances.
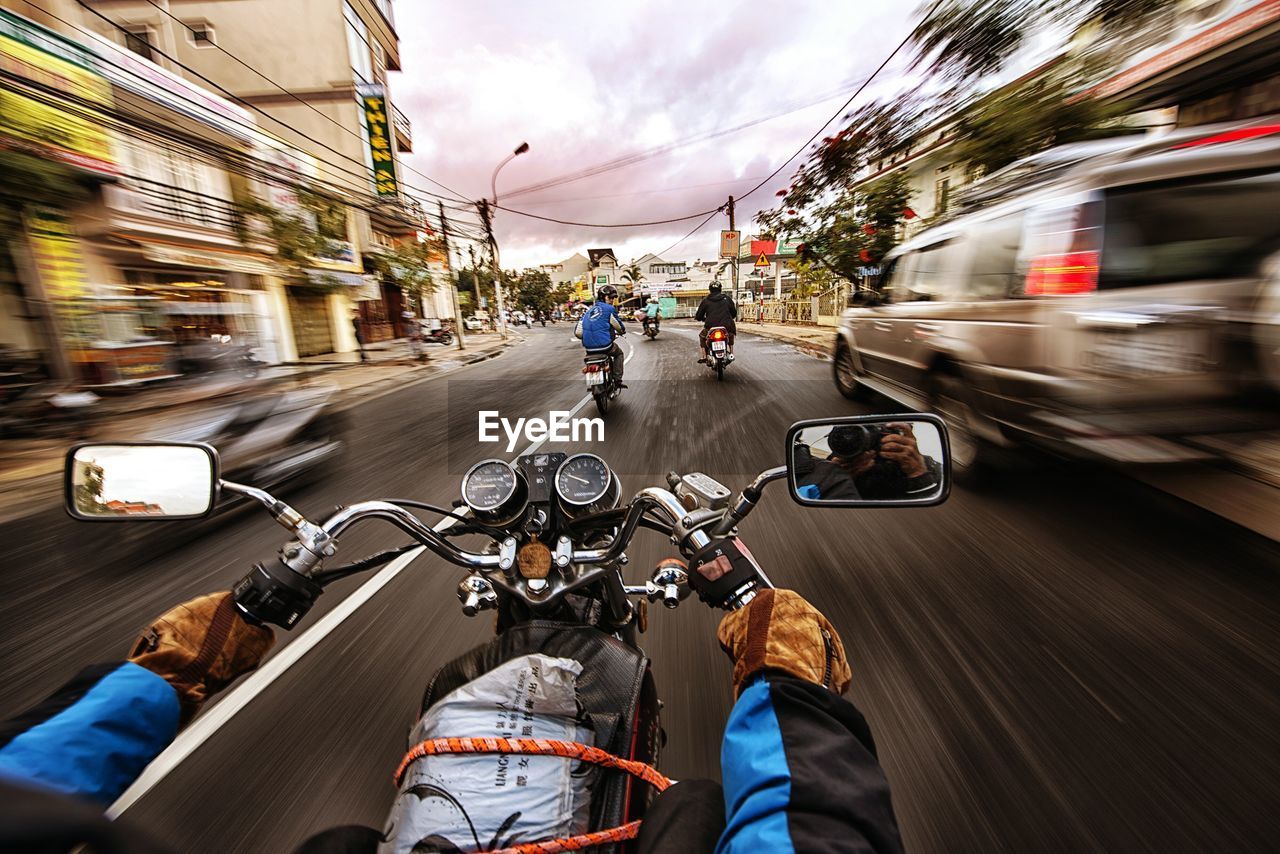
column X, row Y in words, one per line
column 1068, row 661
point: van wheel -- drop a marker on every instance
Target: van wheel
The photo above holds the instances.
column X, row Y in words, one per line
column 970, row 453
column 846, row 375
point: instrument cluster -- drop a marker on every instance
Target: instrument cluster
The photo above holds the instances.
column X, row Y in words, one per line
column 498, row 492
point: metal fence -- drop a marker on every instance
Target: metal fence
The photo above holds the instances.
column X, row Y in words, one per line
column 822, row 309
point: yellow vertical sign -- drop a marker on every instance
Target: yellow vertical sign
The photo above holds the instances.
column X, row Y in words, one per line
column 55, row 251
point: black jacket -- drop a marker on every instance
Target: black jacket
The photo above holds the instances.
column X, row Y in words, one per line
column 717, row 310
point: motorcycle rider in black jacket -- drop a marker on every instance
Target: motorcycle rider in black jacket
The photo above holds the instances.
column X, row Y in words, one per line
column 716, row 309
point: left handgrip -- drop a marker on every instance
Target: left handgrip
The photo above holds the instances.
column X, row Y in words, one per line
column 273, row 593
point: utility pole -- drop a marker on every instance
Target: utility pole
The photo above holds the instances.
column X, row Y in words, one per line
column 475, row 276
column 453, row 289
column 486, row 218
column 735, row 257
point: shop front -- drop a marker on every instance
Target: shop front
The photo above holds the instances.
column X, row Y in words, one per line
column 311, row 321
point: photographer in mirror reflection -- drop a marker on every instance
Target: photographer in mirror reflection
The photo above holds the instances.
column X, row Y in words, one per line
column 869, row 462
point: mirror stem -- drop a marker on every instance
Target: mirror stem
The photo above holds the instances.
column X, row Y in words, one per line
column 281, row 512
column 747, row 500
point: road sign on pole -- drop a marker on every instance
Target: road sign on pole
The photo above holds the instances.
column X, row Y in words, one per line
column 729, row 243
column 762, row 263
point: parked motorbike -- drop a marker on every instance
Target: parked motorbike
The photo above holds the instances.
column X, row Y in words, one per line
column 718, row 355
column 443, row 335
column 597, row 368
column 216, row 354
column 545, row 550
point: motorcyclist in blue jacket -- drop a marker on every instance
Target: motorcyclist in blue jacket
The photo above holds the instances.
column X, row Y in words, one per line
column 798, row 762
column 600, row 325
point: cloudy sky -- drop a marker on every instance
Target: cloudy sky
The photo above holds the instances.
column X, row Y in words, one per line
column 587, row 82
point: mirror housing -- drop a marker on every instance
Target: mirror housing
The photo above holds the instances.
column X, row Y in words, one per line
column 140, row 481
column 837, row 462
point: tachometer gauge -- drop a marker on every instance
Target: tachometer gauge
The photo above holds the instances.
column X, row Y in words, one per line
column 583, row 479
column 488, row 485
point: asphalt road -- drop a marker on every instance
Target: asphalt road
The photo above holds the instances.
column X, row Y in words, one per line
column 1065, row 662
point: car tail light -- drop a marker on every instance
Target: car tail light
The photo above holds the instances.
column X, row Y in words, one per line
column 1069, row 273
column 1231, row 136
column 716, row 335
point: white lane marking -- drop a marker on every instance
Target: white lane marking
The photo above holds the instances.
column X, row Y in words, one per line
column 631, row 351
column 191, row 738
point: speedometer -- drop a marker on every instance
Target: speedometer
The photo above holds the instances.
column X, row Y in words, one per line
column 488, row 485
column 583, row 479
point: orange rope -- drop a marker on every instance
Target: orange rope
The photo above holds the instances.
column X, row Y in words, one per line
column 545, row 747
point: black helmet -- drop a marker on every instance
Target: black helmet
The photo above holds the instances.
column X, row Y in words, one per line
column 715, row 287
column 607, row 292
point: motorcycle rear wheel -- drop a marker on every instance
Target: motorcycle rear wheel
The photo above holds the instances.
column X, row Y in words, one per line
column 602, row 401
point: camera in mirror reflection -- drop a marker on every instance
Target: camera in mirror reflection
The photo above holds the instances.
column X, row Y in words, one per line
column 873, row 460
column 133, row 482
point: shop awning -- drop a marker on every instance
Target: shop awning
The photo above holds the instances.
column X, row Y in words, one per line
column 207, row 259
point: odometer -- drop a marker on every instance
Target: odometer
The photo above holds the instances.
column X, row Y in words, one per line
column 488, row 485
column 583, row 479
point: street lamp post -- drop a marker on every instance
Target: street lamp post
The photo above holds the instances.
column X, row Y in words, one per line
column 493, row 241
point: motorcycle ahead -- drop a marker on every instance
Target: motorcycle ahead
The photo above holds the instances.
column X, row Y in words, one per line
column 651, row 327
column 597, row 368
column 543, row 542
column 718, row 355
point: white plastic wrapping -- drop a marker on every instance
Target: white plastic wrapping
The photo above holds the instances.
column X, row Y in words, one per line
column 483, row 801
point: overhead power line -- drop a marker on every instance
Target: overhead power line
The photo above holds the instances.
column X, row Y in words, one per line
column 302, row 101
column 250, row 105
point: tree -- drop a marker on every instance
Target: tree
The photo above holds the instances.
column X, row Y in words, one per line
column 531, row 289
column 632, row 275
column 854, row 229
column 847, row 223
column 89, row 482
column 408, row 265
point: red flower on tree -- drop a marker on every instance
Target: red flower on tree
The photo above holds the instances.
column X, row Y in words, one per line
column 908, row 214
column 865, row 254
column 868, row 229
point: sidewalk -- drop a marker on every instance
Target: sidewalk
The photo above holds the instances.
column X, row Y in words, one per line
column 30, row 469
column 814, row 340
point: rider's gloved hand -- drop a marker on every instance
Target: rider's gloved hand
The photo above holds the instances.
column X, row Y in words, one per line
column 780, row 631
column 200, row 647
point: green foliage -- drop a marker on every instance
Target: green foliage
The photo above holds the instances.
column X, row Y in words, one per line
column 294, row 236
column 1035, row 116
column 406, row 264
column 847, row 224
column 530, row 290
column 25, row 179
column 965, row 40
column 852, row 230
column 90, row 481
column 633, row 274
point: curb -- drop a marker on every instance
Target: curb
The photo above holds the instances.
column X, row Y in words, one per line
column 811, row 348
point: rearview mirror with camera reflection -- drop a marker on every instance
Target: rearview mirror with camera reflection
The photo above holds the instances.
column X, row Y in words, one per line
column 869, row 461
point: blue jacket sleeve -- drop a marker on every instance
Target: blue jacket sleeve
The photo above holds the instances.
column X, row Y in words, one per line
column 94, row 736
column 800, row 774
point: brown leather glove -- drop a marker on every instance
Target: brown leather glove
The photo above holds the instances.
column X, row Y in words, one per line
column 779, row 630
column 200, row 647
